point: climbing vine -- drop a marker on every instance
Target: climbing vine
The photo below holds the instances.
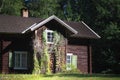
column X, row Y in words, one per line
column 47, row 56
column 42, row 51
column 37, row 52
column 59, row 43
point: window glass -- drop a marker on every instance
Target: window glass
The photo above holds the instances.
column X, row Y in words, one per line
column 20, row 60
column 24, row 60
column 50, row 36
column 71, row 61
column 17, row 60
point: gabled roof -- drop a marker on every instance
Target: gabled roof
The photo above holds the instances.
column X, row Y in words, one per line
column 15, row 24
column 58, row 20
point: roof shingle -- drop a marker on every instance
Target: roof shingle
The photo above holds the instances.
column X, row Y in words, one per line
column 15, row 24
column 83, row 30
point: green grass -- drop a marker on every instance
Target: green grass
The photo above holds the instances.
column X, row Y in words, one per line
column 58, row 77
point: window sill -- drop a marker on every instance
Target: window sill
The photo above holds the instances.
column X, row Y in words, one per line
column 20, row 68
column 50, row 42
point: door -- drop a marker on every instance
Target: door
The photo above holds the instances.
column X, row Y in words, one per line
column 53, row 62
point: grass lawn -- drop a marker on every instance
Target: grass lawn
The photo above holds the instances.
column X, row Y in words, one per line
column 58, row 77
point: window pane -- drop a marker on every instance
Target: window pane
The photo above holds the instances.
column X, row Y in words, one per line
column 50, row 36
column 68, row 61
column 51, row 39
column 48, row 33
column 68, row 57
column 24, row 60
column 17, row 60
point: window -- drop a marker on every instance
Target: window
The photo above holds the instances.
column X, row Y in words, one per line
column 20, row 60
column 71, row 61
column 49, row 36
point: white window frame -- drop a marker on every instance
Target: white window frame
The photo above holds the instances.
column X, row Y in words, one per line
column 20, row 67
column 69, row 54
column 48, row 31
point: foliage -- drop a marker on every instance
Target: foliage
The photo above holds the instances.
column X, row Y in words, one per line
column 71, row 10
column 72, row 71
column 36, row 46
column 112, row 31
column 11, row 7
column 107, row 24
column 59, row 52
column 44, row 8
column 36, row 69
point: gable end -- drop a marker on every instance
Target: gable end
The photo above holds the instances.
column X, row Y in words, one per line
column 58, row 20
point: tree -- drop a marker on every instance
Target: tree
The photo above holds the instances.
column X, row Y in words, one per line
column 71, row 10
column 11, row 7
column 107, row 24
column 44, row 8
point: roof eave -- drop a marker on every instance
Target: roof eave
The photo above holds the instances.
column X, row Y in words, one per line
column 81, row 37
column 91, row 30
column 29, row 28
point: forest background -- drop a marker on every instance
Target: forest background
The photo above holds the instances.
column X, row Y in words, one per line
column 103, row 16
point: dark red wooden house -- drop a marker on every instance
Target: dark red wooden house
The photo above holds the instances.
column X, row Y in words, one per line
column 17, row 34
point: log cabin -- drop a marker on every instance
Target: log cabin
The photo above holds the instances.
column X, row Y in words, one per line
column 67, row 43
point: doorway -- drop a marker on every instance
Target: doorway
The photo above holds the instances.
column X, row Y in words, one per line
column 53, row 62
